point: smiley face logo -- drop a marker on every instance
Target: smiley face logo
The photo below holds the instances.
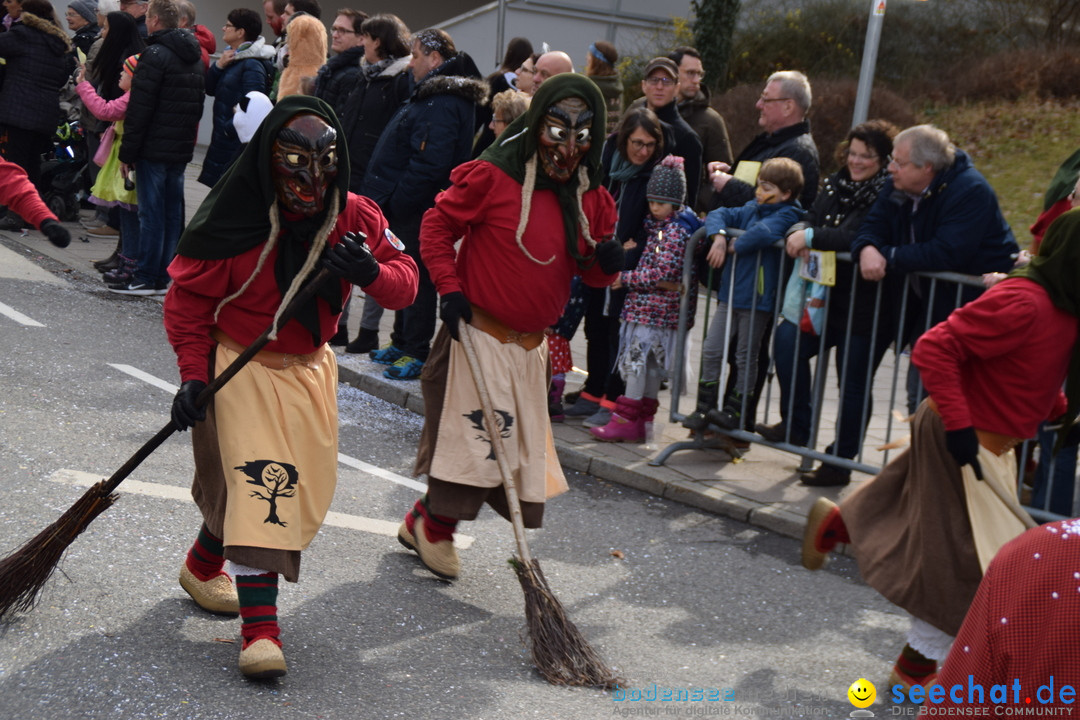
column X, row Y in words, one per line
column 861, row 694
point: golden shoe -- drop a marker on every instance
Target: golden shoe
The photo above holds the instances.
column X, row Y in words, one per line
column 439, row 557
column 262, row 659
column 216, row 595
column 405, row 537
column 813, row 556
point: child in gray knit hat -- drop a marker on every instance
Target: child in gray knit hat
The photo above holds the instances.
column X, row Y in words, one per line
column 650, row 314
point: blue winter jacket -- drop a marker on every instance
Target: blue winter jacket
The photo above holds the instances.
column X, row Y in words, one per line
column 251, row 69
column 755, row 283
column 958, row 226
column 429, row 136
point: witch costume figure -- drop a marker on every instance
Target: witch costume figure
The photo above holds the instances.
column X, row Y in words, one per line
column 532, row 215
column 926, row 528
column 266, row 444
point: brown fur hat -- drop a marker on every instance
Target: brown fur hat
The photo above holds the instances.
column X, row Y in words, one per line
column 307, row 53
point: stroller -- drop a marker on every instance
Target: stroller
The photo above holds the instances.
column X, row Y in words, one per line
column 65, row 177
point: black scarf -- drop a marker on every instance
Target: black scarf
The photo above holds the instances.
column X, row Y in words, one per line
column 235, row 216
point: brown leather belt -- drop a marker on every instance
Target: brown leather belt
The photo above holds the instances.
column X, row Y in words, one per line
column 486, row 322
column 266, row 358
column 997, row 443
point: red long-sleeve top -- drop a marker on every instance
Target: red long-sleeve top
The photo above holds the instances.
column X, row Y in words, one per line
column 483, row 206
column 21, row 196
column 998, row 363
column 200, row 285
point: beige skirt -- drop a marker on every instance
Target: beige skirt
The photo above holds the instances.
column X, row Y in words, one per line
column 266, row 477
column 517, row 382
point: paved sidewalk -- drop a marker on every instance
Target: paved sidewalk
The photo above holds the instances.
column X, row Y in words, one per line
column 761, row 489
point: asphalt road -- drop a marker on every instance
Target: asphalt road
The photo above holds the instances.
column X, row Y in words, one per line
column 674, row 598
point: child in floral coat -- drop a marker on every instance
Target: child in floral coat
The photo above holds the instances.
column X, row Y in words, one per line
column 650, row 315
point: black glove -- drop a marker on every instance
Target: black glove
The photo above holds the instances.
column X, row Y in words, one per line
column 352, row 259
column 610, row 255
column 452, row 308
column 185, row 411
column 58, row 234
column 963, row 445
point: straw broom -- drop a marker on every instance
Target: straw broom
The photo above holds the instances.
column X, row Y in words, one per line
column 23, row 573
column 560, row 652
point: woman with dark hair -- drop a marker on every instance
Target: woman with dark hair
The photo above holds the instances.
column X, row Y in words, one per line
column 517, row 51
column 831, row 223
column 382, row 87
column 630, row 154
column 36, row 54
column 600, row 68
column 120, row 39
column 244, row 66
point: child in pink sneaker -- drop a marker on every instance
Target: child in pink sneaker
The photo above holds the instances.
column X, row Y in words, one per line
column 650, row 315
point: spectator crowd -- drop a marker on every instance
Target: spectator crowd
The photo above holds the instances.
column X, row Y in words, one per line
column 412, row 107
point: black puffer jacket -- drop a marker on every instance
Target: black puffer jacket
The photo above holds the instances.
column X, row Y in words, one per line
column 430, row 135
column 36, row 58
column 338, row 77
column 166, row 100
column 368, row 110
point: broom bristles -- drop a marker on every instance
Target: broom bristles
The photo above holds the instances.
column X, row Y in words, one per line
column 23, row 573
column 560, row 652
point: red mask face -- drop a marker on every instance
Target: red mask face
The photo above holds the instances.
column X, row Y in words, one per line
column 304, row 164
column 565, row 138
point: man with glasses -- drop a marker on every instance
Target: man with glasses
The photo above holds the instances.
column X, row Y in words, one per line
column 339, row 75
column 137, row 10
column 782, row 108
column 693, row 104
column 661, row 87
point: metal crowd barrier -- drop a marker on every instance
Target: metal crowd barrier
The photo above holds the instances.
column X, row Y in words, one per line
column 894, row 388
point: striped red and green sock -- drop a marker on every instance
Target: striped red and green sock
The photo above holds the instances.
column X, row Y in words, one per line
column 206, row 557
column 258, row 607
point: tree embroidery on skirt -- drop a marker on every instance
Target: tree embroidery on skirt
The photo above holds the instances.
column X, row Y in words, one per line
column 505, row 420
column 278, row 479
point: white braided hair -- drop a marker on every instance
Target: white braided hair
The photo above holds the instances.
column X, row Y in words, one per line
column 317, row 245
column 528, row 185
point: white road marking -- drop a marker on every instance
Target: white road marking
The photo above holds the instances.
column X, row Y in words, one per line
column 18, row 316
column 343, row 459
column 380, row 472
column 183, row 494
column 146, row 377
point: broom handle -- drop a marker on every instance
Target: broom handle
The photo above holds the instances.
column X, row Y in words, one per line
column 302, row 296
column 496, row 441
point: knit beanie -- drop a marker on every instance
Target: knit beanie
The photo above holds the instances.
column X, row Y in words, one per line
column 86, row 8
column 130, row 64
column 668, row 182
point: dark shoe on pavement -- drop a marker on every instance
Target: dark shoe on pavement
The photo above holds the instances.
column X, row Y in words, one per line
column 133, row 287
column 826, row 476
column 365, row 342
column 12, row 221
column 773, row 433
column 110, row 263
column 582, row 408
column 341, row 337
